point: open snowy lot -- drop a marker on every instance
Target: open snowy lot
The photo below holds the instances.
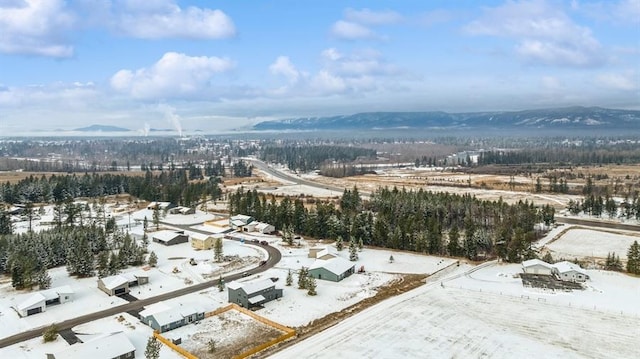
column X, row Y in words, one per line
column 592, row 243
column 487, row 313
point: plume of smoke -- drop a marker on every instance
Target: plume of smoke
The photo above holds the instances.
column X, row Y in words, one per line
column 146, row 129
column 171, row 116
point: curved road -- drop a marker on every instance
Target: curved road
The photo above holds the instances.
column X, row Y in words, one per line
column 274, row 258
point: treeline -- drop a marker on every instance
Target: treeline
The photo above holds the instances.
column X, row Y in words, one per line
column 344, row 170
column 308, row 158
column 84, row 250
column 170, row 186
column 425, row 222
column 563, row 156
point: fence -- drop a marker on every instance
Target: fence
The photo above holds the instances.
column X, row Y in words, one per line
column 175, row 348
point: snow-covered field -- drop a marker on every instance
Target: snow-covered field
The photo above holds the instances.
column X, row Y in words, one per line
column 489, row 314
column 581, row 243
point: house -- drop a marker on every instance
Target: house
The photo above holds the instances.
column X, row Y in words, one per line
column 182, row 210
column 264, row 228
column 169, row 238
column 163, row 318
column 109, row 346
column 536, row 266
column 239, row 221
column 254, row 293
column 334, row 269
column 201, row 241
column 162, row 206
column 38, row 302
column 570, row 272
column 120, row 284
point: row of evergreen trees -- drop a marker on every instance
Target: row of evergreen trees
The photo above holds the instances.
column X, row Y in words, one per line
column 172, row 186
column 307, row 158
column 421, row 221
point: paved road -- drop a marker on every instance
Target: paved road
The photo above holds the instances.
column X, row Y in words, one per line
column 274, row 258
column 600, row 224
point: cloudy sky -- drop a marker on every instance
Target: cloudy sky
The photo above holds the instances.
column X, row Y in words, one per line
column 225, row 64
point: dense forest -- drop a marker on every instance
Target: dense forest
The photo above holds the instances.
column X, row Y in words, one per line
column 309, row 158
column 620, row 154
column 172, row 186
column 421, row 221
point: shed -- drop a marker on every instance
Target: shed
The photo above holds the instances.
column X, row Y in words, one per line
column 110, row 346
column 570, row 272
column 169, row 238
column 334, row 269
column 254, row 293
column 536, row 266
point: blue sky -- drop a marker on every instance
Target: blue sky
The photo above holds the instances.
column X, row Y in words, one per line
column 225, row 64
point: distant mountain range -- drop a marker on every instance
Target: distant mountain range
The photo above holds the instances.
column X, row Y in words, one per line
column 102, row 128
column 558, row 118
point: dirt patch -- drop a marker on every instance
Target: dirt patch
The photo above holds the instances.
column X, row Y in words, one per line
column 403, row 284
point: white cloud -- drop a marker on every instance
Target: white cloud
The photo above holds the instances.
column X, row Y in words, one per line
column 351, row 30
column 622, row 12
column 175, row 75
column 35, row 27
column 626, row 82
column 164, row 19
column 544, row 33
column 331, row 54
column 371, row 17
column 551, row 83
column 283, row 66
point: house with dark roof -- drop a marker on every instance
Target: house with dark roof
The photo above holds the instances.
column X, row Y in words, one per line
column 333, row 268
column 254, row 293
column 169, row 238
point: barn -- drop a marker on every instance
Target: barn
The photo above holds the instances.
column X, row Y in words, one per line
column 170, row 238
column 334, row 269
column 536, row 266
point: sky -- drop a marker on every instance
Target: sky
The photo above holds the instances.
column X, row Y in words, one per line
column 218, row 65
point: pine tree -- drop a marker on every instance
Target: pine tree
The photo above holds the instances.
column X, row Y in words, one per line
column 152, row 350
column 454, row 246
column 311, row 286
column 220, row 284
column 156, row 217
column 391, row 260
column 633, row 258
column 218, row 250
column 145, row 224
column 360, row 245
column 339, row 244
column 43, row 279
column 289, row 280
column 303, row 276
column 153, row 259
column 353, row 250
column 50, row 334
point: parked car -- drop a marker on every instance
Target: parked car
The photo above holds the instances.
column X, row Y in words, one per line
column 264, row 243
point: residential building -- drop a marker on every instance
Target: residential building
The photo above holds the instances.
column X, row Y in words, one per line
column 201, row 241
column 536, row 266
column 120, row 284
column 254, row 293
column 169, row 238
column 334, row 268
column 109, row 346
column 163, row 318
column 570, row 272
column 240, row 221
column 162, row 206
column 38, row 302
column 182, row 210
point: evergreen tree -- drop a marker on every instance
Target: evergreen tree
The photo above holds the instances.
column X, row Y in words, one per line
column 454, row 246
column 211, row 346
column 43, row 279
column 145, row 224
column 220, row 284
column 360, row 245
column 156, row 217
column 391, row 259
column 353, row 250
column 6, row 227
column 103, row 264
column 339, row 244
column 289, row 280
column 50, row 334
column 303, row 276
column 153, row 259
column 633, row 258
column 311, row 286
column 152, row 351
column 218, row 250
column 548, row 258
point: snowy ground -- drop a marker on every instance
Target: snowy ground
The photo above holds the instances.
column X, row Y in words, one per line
column 489, row 314
column 590, row 243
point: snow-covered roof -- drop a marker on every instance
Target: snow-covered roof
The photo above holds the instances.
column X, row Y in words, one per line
column 241, row 217
column 34, row 300
column 238, row 223
column 154, row 308
column 166, row 236
column 114, row 281
column 262, row 226
column 565, row 266
column 251, row 287
column 256, row 299
column 199, row 236
column 109, row 346
column 336, row 265
column 534, row 262
column 172, row 315
column 54, row 293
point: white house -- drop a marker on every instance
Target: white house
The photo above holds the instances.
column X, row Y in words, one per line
column 536, row 266
column 109, row 346
column 38, row 302
column 570, row 272
column 264, row 228
column 119, row 284
column 333, row 269
column 239, row 221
